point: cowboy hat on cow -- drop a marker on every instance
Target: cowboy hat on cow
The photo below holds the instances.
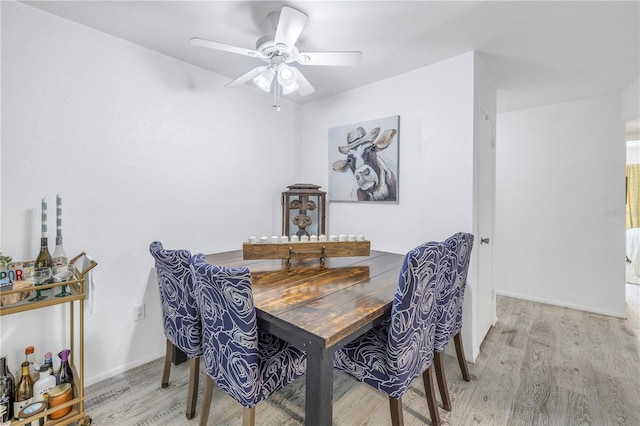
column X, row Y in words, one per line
column 357, row 137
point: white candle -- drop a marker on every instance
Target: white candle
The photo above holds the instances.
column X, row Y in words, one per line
column 58, row 216
column 44, row 218
column 294, row 238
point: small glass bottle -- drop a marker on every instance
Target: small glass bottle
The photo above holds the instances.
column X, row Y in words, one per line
column 48, row 361
column 24, row 391
column 7, row 390
column 64, row 373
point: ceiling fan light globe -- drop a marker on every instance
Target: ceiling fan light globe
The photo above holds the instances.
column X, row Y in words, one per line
column 265, row 79
column 286, row 75
column 290, row 88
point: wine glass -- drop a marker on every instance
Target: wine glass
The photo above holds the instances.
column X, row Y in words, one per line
column 40, row 276
column 62, row 273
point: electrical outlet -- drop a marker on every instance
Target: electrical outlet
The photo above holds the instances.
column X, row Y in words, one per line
column 138, row 312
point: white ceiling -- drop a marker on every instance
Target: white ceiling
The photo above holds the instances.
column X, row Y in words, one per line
column 538, row 52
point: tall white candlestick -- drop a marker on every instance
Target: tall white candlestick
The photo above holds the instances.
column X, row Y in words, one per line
column 58, row 215
column 44, row 218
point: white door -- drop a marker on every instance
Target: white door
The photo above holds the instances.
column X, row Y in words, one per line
column 486, row 205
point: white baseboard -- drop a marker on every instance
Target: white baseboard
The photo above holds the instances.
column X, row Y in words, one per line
column 564, row 305
column 88, row 381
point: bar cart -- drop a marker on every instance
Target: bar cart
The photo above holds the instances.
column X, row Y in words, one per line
column 76, row 286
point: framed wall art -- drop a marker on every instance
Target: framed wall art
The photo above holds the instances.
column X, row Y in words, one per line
column 363, row 161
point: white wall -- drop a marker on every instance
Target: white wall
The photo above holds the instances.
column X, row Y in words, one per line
column 560, row 205
column 630, row 101
column 141, row 147
column 436, row 157
column 436, row 166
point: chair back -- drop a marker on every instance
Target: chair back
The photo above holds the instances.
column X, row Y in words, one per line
column 179, row 309
column 413, row 315
column 229, row 329
column 450, row 300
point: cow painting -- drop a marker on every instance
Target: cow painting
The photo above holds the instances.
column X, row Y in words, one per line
column 374, row 179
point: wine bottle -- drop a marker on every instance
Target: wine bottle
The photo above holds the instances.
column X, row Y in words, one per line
column 60, row 259
column 29, row 356
column 64, row 373
column 24, row 391
column 7, row 389
column 44, row 259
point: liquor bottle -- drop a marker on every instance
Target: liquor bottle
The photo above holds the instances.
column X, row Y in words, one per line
column 60, row 259
column 64, row 373
column 7, row 389
column 30, row 357
column 44, row 384
column 48, row 361
column 24, row 391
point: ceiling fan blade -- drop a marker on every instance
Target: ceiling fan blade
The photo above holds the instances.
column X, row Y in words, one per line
column 343, row 59
column 289, row 27
column 197, row 41
column 305, row 87
column 246, row 77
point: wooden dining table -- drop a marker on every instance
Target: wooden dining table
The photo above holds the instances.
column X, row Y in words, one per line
column 319, row 309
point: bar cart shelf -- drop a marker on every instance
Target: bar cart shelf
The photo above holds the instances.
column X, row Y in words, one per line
column 76, row 285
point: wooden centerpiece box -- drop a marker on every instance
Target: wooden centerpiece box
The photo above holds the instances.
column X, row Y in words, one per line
column 305, row 250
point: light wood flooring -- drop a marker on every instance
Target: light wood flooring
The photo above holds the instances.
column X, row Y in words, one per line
column 539, row 365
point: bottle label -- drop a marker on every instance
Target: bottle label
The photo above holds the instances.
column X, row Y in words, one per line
column 19, row 405
column 60, row 261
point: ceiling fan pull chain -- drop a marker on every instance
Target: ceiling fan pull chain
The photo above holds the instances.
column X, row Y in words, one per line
column 276, row 96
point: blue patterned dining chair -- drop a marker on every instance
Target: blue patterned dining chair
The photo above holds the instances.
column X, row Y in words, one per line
column 182, row 325
column 391, row 356
column 450, row 309
column 246, row 362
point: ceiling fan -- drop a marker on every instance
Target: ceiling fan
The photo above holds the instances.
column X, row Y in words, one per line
column 280, row 50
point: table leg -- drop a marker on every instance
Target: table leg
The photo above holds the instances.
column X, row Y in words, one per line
column 319, row 394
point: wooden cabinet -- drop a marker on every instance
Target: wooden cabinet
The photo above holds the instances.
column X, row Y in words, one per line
column 80, row 265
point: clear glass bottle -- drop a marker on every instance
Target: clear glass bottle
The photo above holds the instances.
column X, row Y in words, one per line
column 7, row 390
column 60, row 259
column 64, row 373
column 24, row 391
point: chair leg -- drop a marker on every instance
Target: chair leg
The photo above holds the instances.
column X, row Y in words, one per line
column 442, row 381
column 206, row 401
column 395, row 405
column 192, row 399
column 429, row 390
column 249, row 416
column 167, row 365
column 457, row 339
